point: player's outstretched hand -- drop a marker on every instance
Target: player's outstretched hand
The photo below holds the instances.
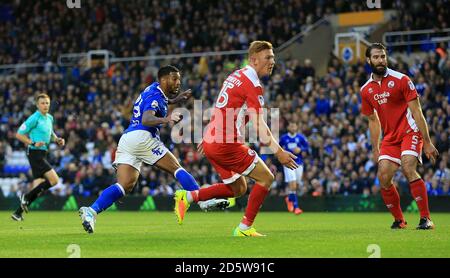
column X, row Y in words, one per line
column 185, row 95
column 287, row 159
column 431, row 152
column 181, row 97
column 200, row 148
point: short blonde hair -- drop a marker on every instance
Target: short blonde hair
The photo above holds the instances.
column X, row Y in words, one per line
column 258, row 46
column 41, row 95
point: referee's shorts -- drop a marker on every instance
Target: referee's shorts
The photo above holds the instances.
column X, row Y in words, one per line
column 38, row 162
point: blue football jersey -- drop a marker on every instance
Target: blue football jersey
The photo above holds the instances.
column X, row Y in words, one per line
column 290, row 142
column 152, row 98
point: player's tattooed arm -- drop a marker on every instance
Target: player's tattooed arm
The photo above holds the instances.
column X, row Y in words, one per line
column 181, row 97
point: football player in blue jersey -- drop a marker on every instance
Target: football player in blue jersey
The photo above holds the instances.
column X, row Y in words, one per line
column 141, row 143
column 297, row 144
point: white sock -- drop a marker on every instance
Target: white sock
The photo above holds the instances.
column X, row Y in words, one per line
column 243, row 227
column 189, row 197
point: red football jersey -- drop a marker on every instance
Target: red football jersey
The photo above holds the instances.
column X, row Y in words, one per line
column 390, row 98
column 241, row 94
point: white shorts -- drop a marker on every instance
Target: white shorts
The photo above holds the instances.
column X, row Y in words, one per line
column 293, row 175
column 139, row 146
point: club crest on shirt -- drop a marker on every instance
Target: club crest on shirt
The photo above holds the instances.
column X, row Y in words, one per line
column 370, row 90
column 155, row 104
column 391, row 84
column 261, row 100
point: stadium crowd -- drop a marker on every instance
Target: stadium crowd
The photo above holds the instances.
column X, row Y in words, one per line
column 91, row 106
column 38, row 31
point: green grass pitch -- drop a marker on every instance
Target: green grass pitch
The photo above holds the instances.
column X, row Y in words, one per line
column 157, row 235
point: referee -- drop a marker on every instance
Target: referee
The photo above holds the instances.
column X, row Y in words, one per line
column 36, row 133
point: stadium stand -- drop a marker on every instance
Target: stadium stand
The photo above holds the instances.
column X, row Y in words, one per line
column 90, row 105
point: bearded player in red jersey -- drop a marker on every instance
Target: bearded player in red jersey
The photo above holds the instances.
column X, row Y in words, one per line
column 391, row 103
column 240, row 100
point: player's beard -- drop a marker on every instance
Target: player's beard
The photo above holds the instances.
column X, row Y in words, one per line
column 174, row 92
column 377, row 69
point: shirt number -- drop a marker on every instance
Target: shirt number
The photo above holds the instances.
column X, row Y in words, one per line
column 137, row 108
column 223, row 95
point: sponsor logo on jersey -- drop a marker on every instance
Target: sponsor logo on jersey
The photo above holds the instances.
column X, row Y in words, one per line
column 382, row 98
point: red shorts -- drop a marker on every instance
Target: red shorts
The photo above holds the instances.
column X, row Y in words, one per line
column 231, row 160
column 411, row 144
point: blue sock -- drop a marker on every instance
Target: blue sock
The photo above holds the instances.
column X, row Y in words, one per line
column 187, row 180
column 294, row 199
column 291, row 197
column 111, row 194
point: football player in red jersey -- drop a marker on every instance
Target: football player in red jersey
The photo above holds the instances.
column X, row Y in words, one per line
column 240, row 101
column 391, row 103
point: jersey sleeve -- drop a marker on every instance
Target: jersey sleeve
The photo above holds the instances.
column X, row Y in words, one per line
column 152, row 104
column 28, row 125
column 366, row 107
column 408, row 89
column 304, row 145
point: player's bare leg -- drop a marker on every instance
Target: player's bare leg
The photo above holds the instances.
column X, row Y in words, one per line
column 386, row 171
column 170, row 164
column 418, row 190
column 37, row 181
column 127, row 177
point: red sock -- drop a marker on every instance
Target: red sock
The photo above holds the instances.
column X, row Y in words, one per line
column 255, row 200
column 419, row 192
column 392, row 201
column 218, row 190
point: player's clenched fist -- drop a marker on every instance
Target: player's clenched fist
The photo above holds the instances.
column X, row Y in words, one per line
column 175, row 117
